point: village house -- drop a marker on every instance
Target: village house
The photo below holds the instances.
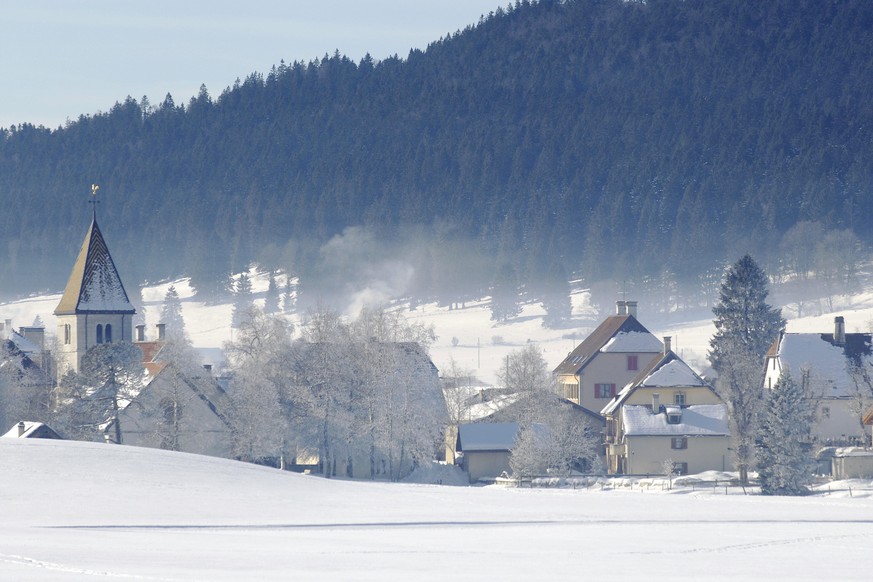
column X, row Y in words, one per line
column 607, row 359
column 837, row 369
column 667, row 415
column 483, row 449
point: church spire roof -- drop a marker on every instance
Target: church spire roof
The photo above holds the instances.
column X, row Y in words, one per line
column 94, row 284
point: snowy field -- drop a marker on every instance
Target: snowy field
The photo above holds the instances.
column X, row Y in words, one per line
column 85, row 511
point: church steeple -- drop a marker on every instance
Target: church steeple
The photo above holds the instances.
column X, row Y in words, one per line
column 94, row 308
column 94, row 285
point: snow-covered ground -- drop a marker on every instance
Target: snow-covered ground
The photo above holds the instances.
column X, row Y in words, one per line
column 466, row 335
column 85, row 511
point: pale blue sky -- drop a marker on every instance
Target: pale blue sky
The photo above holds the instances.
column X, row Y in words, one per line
column 63, row 58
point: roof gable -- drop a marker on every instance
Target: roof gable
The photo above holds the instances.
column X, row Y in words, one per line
column 94, row 284
column 669, row 371
column 617, row 333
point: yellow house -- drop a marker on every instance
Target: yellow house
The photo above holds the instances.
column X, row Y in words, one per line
column 610, row 357
column 668, row 414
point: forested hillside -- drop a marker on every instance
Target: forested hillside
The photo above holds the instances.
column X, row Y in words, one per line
column 597, row 138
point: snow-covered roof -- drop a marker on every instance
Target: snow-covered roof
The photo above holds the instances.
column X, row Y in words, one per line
column 94, row 284
column 669, row 371
column 697, row 420
column 827, row 363
column 632, row 341
column 606, row 334
column 30, row 428
column 23, row 344
column 672, row 374
column 495, row 436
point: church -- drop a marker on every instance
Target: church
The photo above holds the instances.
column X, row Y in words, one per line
column 94, row 308
column 180, row 407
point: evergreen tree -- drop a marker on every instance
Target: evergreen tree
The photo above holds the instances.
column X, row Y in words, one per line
column 785, row 461
column 743, row 318
column 745, row 326
column 271, row 302
column 171, row 315
column 288, row 295
column 504, row 294
column 242, row 300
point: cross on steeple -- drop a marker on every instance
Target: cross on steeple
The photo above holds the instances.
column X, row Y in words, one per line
column 93, row 201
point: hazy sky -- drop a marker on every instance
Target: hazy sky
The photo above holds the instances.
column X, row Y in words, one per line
column 63, row 58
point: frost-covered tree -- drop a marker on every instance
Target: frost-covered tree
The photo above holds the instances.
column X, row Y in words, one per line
column 262, row 388
column 745, row 327
column 740, row 385
column 25, row 390
column 550, row 427
column 785, row 455
column 110, row 374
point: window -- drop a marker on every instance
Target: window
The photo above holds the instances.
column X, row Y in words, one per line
column 632, row 363
column 825, row 412
column 604, row 390
column 680, row 468
column 99, row 334
column 108, row 333
column 67, row 333
column 571, row 391
column 679, row 442
column 679, row 399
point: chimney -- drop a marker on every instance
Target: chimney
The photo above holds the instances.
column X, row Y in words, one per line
column 208, row 368
column 35, row 335
column 162, row 331
column 21, row 428
column 631, row 308
column 140, row 333
column 621, row 307
column 656, row 403
column 668, row 344
column 839, row 331
column 7, row 329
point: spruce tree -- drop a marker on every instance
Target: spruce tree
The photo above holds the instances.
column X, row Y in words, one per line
column 171, row 315
column 242, row 300
column 271, row 300
column 745, row 326
column 785, row 462
column 743, row 318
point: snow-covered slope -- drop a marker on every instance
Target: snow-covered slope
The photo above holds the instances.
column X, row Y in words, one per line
column 84, row 511
column 466, row 335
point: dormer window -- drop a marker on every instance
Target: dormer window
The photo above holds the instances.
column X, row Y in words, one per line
column 674, row 415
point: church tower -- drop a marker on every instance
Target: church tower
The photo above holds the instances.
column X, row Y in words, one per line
column 94, row 308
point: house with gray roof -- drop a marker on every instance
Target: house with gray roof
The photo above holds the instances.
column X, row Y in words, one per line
column 668, row 413
column 837, row 370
